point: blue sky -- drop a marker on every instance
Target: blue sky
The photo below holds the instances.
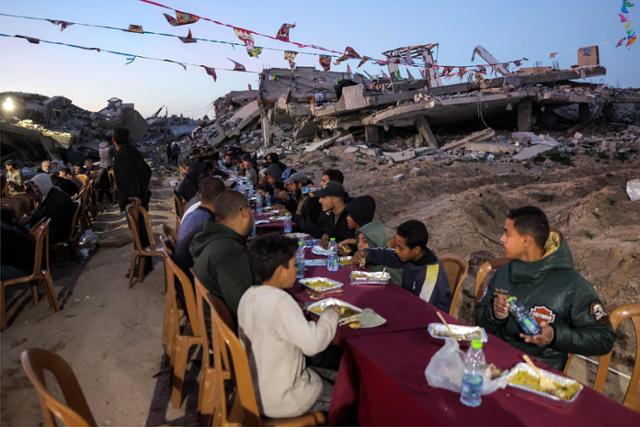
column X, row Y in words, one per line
column 509, row 29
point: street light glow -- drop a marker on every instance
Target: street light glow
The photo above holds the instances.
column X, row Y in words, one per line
column 7, row 105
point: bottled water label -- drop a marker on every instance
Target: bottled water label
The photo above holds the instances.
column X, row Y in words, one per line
column 471, row 393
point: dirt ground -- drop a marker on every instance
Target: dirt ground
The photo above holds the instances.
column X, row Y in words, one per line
column 111, row 335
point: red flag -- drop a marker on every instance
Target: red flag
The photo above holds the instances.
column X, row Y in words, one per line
column 181, row 18
column 211, row 72
column 462, row 71
column 188, row 38
column 631, row 40
column 349, row 53
column 237, row 66
column 283, row 32
column 325, row 62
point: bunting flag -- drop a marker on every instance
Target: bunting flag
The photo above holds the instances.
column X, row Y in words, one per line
column 246, row 38
column 482, row 70
column 210, row 71
column 407, row 60
column 130, row 60
column 325, row 62
column 188, row 39
column 290, row 56
column 631, row 37
column 237, row 66
column 446, row 71
column 181, row 18
column 620, row 42
column 553, row 55
column 631, row 40
column 462, row 71
column 283, row 32
column 177, row 63
column 349, row 53
column 63, row 24
column 29, row 39
column 135, row 29
column 363, row 61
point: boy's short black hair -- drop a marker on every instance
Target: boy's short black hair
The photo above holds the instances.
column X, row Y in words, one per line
column 273, row 157
column 334, row 175
column 269, row 251
column 532, row 221
column 229, row 203
column 66, row 170
column 209, row 188
column 414, row 232
column 121, row 136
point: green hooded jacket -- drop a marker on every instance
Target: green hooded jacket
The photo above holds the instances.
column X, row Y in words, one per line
column 377, row 238
column 221, row 262
column 550, row 289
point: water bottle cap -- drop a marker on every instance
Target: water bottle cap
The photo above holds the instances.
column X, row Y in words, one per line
column 300, row 243
column 512, row 299
column 333, row 239
column 476, row 344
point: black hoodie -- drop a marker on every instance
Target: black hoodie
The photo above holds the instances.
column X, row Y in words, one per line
column 221, row 262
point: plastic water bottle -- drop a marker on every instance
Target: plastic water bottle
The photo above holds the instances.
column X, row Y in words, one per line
column 300, row 260
column 332, row 259
column 527, row 323
column 268, row 197
column 258, row 202
column 473, row 376
column 249, row 189
column 287, row 224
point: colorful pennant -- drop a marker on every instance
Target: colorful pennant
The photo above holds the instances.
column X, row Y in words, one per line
column 325, row 62
column 211, row 71
column 181, row 18
column 188, row 39
column 349, row 53
column 63, row 24
column 631, row 37
column 135, row 29
column 237, row 66
column 290, row 56
column 283, row 32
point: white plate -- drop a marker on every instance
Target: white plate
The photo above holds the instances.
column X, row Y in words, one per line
column 553, row 377
column 318, row 306
column 298, row 235
column 307, row 283
column 440, row 331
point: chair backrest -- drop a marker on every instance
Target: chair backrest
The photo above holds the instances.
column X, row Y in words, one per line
column 617, row 316
column 483, row 273
column 184, row 285
column 245, row 406
column 170, row 237
column 74, row 231
column 456, row 269
column 75, row 411
column 133, row 213
column 179, row 203
column 40, row 233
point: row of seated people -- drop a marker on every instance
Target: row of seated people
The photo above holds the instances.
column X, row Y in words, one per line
column 284, row 346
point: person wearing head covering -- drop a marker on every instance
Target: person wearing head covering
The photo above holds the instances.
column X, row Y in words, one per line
column 333, row 204
column 370, row 232
column 54, row 204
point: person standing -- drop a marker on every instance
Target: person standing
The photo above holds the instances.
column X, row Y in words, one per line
column 106, row 150
column 132, row 176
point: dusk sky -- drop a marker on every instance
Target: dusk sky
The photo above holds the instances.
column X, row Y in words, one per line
column 508, row 29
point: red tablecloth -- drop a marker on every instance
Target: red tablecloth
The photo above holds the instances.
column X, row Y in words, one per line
column 381, row 382
column 275, row 225
column 402, row 309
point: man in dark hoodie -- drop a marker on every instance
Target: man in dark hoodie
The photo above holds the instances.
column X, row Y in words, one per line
column 542, row 277
column 422, row 272
column 221, row 260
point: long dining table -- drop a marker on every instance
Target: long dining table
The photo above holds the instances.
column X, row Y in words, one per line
column 381, row 380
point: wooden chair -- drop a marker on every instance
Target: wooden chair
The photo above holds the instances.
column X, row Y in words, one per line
column 209, row 397
column 617, row 316
column 180, row 341
column 180, row 205
column 456, row 269
column 140, row 253
column 41, row 271
column 75, row 410
column 244, row 407
column 170, row 237
column 71, row 243
column 483, row 272
column 111, row 174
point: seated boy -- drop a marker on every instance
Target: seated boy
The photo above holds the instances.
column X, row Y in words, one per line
column 422, row 272
column 277, row 335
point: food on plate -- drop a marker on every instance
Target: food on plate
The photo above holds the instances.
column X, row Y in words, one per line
column 532, row 382
column 494, row 371
column 344, row 310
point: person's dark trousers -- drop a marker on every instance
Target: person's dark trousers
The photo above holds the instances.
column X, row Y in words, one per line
column 328, row 359
column 104, row 186
column 144, row 239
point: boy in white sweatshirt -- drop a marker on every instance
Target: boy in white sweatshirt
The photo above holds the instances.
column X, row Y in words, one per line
column 277, row 335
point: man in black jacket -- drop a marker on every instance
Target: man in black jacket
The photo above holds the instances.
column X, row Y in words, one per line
column 333, row 204
column 132, row 175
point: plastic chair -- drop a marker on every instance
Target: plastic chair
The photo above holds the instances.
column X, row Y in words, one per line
column 75, row 412
column 483, row 272
column 617, row 316
column 456, row 269
column 41, row 271
column 209, row 396
column 140, row 253
column 244, row 409
column 180, row 341
column 170, row 237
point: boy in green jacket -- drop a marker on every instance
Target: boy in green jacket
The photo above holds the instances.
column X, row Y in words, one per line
column 542, row 277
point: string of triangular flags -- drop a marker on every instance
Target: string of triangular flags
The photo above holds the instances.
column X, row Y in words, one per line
column 630, row 38
column 131, row 57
